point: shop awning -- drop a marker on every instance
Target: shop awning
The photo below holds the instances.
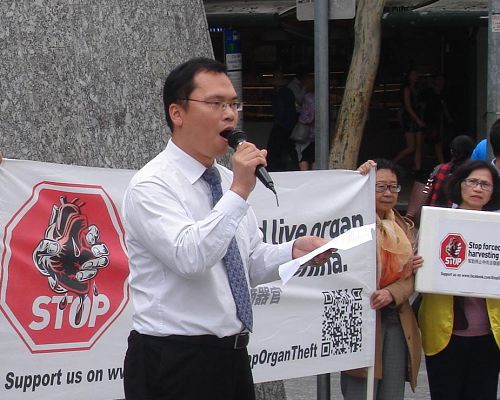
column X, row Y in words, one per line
column 279, row 7
column 449, row 12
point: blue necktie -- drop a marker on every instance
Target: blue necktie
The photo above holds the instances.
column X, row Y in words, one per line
column 232, row 259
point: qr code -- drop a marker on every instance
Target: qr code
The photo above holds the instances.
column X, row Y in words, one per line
column 342, row 322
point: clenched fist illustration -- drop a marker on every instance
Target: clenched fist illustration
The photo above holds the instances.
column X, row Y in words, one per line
column 454, row 247
column 70, row 254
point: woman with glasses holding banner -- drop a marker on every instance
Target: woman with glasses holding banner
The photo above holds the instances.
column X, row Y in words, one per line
column 398, row 343
column 461, row 335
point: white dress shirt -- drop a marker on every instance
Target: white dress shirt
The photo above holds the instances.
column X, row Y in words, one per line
column 176, row 242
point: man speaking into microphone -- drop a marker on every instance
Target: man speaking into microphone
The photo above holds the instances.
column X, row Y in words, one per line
column 195, row 248
column 237, row 137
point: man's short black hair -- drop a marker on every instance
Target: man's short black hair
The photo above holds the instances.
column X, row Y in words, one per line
column 454, row 184
column 180, row 82
column 495, row 138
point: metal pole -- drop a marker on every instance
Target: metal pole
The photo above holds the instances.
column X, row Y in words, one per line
column 370, row 383
column 493, row 86
column 321, row 92
column 323, row 386
column 321, row 120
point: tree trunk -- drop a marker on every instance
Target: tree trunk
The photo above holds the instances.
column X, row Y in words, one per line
column 355, row 104
column 270, row 391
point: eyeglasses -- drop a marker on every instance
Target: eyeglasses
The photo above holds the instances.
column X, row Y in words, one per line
column 472, row 183
column 382, row 187
column 220, row 105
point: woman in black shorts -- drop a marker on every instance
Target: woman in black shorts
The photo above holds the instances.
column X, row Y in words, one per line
column 412, row 121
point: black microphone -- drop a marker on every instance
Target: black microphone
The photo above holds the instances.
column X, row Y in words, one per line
column 234, row 139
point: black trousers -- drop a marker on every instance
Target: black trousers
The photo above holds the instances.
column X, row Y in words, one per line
column 467, row 369
column 158, row 368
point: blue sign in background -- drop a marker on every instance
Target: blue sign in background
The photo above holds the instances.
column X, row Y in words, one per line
column 232, row 43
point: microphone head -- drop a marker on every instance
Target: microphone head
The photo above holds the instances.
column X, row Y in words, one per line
column 235, row 138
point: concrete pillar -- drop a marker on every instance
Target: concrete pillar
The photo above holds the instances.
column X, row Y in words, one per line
column 81, row 81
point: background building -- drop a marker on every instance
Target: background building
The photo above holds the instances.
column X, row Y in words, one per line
column 444, row 37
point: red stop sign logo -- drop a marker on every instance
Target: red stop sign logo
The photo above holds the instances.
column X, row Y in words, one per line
column 453, row 251
column 64, row 267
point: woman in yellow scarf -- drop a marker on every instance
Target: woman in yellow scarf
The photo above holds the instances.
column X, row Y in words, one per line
column 398, row 343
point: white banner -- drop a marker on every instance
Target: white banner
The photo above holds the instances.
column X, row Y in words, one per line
column 461, row 251
column 64, row 297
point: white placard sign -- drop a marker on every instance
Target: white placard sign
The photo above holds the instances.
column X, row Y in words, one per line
column 64, row 324
column 461, row 251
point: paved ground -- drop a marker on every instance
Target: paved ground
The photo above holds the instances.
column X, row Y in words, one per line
column 305, row 388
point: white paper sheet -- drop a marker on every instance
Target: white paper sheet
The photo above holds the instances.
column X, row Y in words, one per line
column 352, row 238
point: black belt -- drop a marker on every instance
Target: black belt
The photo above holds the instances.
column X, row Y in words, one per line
column 239, row 341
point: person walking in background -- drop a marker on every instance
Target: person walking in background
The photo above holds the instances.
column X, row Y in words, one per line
column 398, row 343
column 460, row 151
column 282, row 155
column 296, row 85
column 461, row 335
column 412, row 121
column 436, row 115
column 306, row 151
column 194, row 247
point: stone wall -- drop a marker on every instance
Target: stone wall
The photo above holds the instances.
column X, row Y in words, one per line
column 81, row 80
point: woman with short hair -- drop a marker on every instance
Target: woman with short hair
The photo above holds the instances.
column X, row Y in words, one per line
column 461, row 335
